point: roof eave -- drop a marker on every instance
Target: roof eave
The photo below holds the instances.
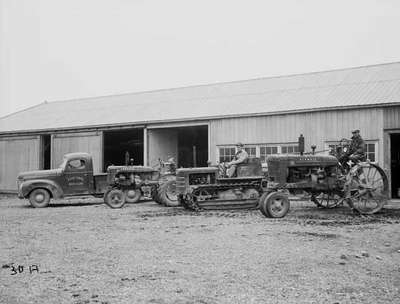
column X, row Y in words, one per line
column 139, row 124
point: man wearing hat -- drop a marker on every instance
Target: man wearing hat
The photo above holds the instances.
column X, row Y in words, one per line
column 240, row 157
column 356, row 151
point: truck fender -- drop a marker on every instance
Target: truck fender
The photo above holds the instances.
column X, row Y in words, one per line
column 54, row 189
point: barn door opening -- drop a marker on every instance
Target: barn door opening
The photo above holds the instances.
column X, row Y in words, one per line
column 121, row 146
column 187, row 145
column 395, row 164
column 45, row 152
column 193, row 146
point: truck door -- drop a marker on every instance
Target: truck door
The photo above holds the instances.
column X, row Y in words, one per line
column 76, row 176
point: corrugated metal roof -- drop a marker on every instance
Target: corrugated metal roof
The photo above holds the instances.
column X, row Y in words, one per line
column 361, row 86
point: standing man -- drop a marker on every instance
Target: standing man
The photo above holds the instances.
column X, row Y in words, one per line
column 356, row 151
column 240, row 157
column 127, row 157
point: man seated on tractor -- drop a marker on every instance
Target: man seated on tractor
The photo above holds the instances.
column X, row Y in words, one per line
column 240, row 157
column 355, row 152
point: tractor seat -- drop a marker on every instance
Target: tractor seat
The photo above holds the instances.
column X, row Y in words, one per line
column 251, row 167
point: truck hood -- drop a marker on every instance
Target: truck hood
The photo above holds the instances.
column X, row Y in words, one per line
column 37, row 174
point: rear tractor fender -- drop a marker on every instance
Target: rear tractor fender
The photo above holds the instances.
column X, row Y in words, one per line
column 55, row 190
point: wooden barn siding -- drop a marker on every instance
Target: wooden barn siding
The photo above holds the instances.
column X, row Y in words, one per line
column 90, row 142
column 317, row 128
column 17, row 154
column 391, row 118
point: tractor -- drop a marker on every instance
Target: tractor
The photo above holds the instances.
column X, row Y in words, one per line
column 328, row 182
column 364, row 185
column 209, row 188
column 127, row 184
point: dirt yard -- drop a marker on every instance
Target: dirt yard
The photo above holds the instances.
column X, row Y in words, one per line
column 145, row 253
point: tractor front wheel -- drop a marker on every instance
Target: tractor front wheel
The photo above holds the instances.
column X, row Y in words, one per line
column 132, row 195
column 274, row 204
column 115, row 198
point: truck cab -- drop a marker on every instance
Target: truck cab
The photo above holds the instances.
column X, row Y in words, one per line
column 73, row 177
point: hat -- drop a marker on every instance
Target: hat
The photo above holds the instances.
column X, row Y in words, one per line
column 239, row 144
column 355, row 131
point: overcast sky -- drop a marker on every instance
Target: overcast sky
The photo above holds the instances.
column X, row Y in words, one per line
column 65, row 49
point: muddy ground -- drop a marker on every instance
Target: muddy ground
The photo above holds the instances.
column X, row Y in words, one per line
column 145, row 253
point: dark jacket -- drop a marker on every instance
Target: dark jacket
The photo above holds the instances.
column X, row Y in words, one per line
column 357, row 146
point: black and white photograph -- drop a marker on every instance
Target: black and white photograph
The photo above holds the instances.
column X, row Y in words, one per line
column 199, row 152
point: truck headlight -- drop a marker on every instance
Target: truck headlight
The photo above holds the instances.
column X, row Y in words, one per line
column 19, row 188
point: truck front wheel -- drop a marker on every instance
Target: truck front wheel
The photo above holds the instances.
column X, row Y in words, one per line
column 39, row 198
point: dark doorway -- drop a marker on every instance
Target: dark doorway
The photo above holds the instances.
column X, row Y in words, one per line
column 46, row 152
column 122, row 145
column 193, row 146
column 395, row 164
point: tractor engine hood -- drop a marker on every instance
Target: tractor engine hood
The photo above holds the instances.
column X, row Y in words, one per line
column 183, row 171
column 134, row 169
column 303, row 160
column 38, row 174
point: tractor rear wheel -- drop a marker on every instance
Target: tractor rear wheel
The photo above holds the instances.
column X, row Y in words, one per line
column 155, row 197
column 367, row 188
column 115, row 198
column 326, row 200
column 274, row 204
column 167, row 194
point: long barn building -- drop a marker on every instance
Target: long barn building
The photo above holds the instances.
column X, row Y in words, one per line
column 198, row 124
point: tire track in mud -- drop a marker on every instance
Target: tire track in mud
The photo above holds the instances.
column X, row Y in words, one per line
column 302, row 216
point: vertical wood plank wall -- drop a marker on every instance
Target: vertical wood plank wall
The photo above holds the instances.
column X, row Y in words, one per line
column 90, row 142
column 317, row 128
column 17, row 154
column 392, row 118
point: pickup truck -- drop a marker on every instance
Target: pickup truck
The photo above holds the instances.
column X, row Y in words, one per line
column 74, row 177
